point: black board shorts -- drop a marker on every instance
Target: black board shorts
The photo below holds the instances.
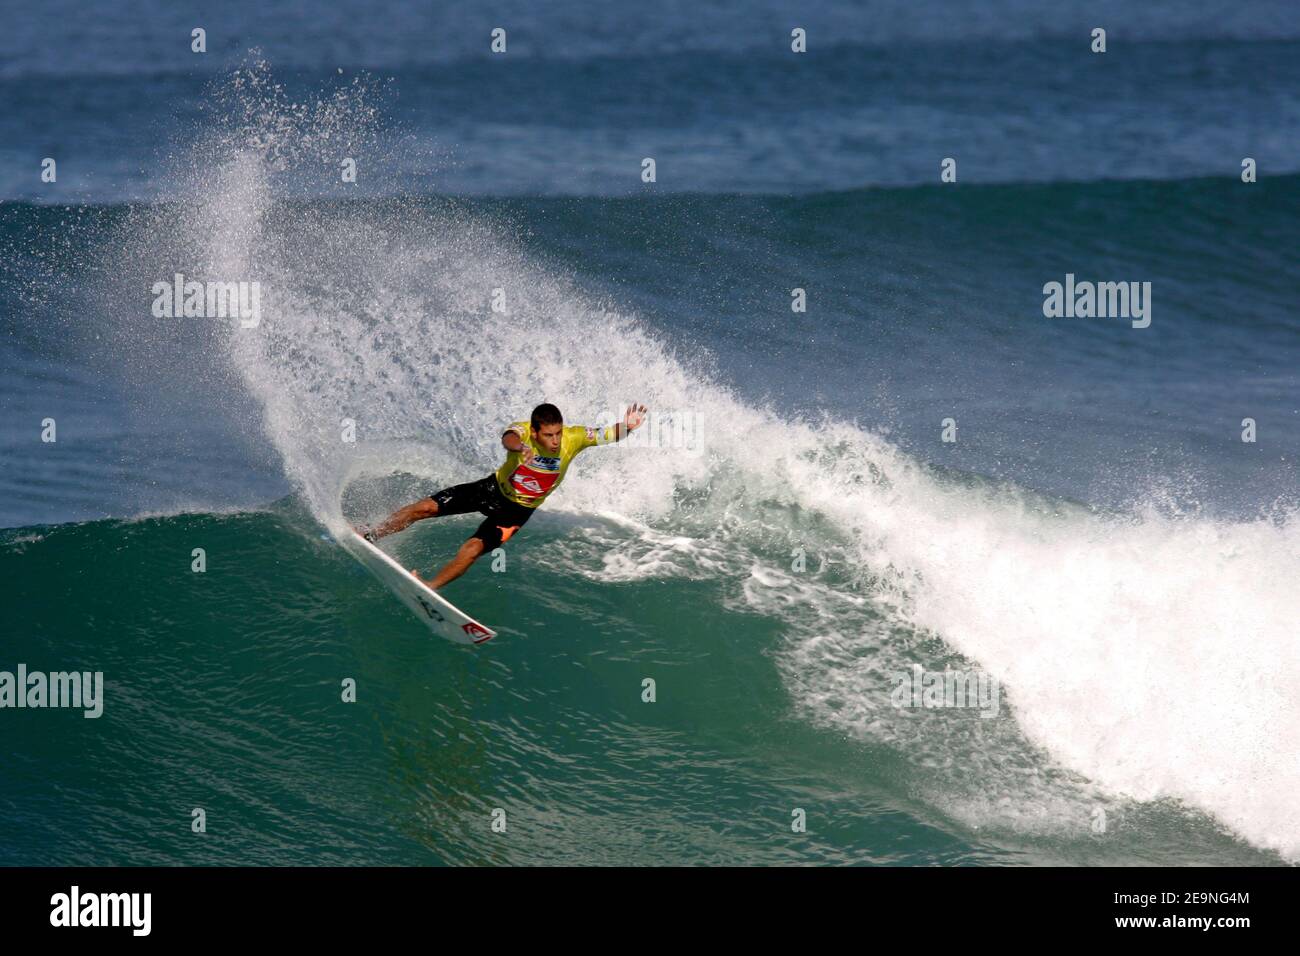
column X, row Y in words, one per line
column 504, row 517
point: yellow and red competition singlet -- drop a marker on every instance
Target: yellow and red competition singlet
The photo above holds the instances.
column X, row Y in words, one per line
column 529, row 484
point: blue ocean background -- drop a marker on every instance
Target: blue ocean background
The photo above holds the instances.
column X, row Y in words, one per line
column 1099, row 538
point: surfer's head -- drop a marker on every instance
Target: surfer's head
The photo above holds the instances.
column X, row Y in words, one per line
column 548, row 427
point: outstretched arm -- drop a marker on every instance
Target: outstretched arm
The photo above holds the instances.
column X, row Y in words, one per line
column 633, row 420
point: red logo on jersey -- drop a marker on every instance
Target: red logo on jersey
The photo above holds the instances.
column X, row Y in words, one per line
column 532, row 483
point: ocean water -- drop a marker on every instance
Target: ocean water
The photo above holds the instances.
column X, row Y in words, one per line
column 1098, row 540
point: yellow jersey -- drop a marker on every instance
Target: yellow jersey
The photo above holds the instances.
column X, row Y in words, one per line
column 529, row 484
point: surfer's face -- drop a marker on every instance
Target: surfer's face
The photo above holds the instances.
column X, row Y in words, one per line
column 548, row 436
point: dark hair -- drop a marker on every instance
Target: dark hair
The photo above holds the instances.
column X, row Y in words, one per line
column 546, row 414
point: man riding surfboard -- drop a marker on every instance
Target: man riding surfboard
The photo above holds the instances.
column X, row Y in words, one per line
column 538, row 453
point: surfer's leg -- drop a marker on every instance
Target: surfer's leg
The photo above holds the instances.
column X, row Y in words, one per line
column 456, row 500
column 467, row 555
column 403, row 518
column 501, row 522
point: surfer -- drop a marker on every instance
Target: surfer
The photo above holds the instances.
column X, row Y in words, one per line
column 538, row 453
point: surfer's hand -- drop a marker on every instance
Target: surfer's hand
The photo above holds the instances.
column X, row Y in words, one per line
column 635, row 417
column 524, row 450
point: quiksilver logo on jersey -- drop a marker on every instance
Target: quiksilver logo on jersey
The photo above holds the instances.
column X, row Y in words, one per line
column 524, row 483
column 533, row 482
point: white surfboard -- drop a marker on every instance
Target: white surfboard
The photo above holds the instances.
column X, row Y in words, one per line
column 440, row 615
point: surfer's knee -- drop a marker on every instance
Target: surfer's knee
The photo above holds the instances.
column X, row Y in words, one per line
column 424, row 508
